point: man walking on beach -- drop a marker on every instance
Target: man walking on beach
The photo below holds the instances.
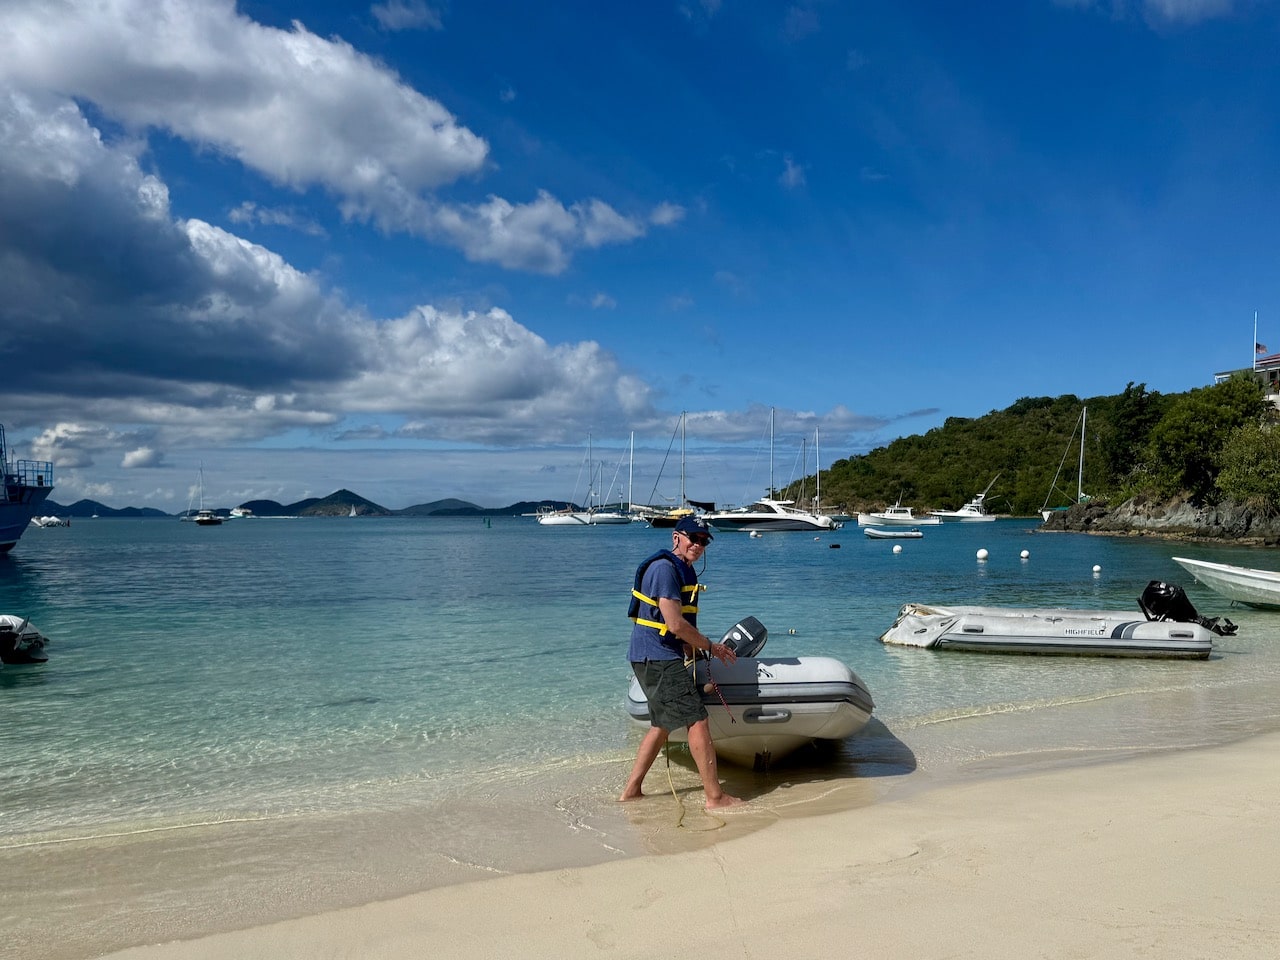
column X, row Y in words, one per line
column 664, row 608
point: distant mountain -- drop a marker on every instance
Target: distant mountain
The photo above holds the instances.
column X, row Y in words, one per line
column 443, row 508
column 337, row 504
column 343, row 503
column 91, row 508
column 518, row 509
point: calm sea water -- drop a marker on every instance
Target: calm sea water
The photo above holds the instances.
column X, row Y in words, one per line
column 323, row 670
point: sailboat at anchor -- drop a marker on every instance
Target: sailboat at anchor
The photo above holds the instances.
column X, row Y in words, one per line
column 1047, row 511
column 672, row 516
column 204, row 517
column 768, row 514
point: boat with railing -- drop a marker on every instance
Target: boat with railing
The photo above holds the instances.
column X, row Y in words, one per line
column 27, row 484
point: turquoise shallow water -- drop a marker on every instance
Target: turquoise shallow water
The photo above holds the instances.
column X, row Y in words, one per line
column 312, row 672
column 280, row 666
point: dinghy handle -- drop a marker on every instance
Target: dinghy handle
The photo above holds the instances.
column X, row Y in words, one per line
column 762, row 715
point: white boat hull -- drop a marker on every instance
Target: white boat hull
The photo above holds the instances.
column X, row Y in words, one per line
column 892, row 533
column 775, row 706
column 564, row 519
column 766, row 515
column 971, row 512
column 1255, row 588
column 1097, row 633
column 894, row 518
column 961, row 516
column 608, row 518
column 752, row 523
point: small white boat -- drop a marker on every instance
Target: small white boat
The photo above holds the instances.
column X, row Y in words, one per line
column 896, row 515
column 593, row 515
column 20, row 642
column 1097, row 633
column 971, row 512
column 550, row 517
column 50, row 521
column 772, row 705
column 893, row 533
column 1255, row 588
column 580, row 518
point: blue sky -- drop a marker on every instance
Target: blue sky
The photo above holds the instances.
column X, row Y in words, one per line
column 426, row 249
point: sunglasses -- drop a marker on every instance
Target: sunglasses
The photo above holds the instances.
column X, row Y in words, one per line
column 701, row 539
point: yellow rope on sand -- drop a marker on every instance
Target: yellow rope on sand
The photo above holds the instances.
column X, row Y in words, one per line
column 666, row 748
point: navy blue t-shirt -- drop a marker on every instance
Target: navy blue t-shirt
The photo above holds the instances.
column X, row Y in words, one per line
column 660, row 580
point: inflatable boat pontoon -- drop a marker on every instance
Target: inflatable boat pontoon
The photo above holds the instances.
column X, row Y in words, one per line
column 775, row 705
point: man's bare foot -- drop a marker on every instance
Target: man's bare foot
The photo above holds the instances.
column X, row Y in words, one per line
column 630, row 795
column 724, row 800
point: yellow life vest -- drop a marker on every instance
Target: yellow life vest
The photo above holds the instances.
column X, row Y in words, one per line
column 688, row 595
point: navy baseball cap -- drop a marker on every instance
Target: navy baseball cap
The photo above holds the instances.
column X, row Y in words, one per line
column 692, row 525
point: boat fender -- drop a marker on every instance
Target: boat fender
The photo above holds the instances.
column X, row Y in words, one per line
column 746, row 638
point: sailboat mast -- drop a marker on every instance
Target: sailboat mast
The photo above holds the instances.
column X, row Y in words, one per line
column 682, row 495
column 817, row 474
column 771, row 418
column 804, row 465
column 1084, row 413
column 631, row 466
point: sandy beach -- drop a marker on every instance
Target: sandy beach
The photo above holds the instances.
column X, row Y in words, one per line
column 1168, row 855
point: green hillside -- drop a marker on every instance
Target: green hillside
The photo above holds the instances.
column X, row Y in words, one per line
column 1138, row 441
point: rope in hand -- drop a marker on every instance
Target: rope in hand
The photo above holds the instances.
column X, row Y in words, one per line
column 711, row 682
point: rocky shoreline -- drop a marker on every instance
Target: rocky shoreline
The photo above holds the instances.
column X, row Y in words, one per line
column 1225, row 522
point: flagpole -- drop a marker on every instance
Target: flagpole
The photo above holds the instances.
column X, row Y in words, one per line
column 1255, row 339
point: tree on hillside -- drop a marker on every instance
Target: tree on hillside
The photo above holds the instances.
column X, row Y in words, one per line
column 1250, row 472
column 1185, row 447
column 1131, row 418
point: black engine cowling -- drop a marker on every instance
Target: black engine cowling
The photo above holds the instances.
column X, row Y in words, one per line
column 746, row 638
column 1168, row 601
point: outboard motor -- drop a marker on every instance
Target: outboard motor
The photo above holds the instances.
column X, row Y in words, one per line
column 746, row 638
column 21, row 645
column 1168, row 601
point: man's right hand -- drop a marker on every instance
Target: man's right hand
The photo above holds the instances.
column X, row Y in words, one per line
column 723, row 653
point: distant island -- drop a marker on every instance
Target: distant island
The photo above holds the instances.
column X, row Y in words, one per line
column 1204, row 463
column 341, row 503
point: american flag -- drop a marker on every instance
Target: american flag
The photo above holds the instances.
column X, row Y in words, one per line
column 1259, row 348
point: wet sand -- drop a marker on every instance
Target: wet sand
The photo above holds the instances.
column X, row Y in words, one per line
column 1171, row 854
